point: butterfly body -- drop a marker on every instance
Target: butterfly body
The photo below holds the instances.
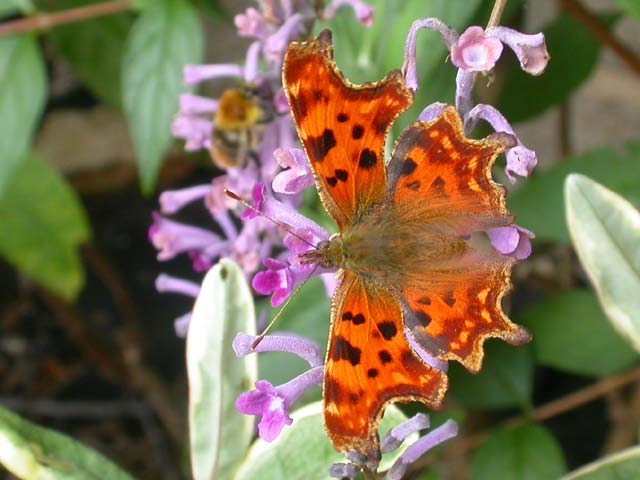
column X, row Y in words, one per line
column 418, row 275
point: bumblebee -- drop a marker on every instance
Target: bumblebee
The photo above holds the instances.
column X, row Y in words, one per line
column 239, row 124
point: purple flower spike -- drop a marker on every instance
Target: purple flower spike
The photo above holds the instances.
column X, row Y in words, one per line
column 168, row 283
column 194, row 104
column 181, row 325
column 344, row 470
column 266, row 402
column 531, row 50
column 250, row 24
column 397, row 434
column 252, row 62
column 274, row 403
column 520, row 160
column 196, row 131
column 277, row 279
column 304, row 348
column 257, row 195
column 275, row 45
column 173, row 200
column 409, row 69
column 432, row 112
column 194, row 74
column 363, row 12
column 298, row 175
column 513, row 241
column 441, row 434
column 172, row 238
column 474, row 51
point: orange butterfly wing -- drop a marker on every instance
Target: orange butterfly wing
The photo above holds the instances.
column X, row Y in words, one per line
column 369, row 365
column 454, row 310
column 342, row 126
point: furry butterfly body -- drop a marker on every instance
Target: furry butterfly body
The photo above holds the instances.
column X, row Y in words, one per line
column 416, row 273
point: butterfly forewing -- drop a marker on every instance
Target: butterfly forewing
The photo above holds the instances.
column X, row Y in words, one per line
column 342, row 126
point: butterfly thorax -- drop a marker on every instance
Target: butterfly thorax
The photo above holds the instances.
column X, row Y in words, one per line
column 390, row 246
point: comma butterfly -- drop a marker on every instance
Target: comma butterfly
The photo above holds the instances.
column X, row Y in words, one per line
column 408, row 246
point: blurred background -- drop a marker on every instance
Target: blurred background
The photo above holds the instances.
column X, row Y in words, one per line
column 87, row 344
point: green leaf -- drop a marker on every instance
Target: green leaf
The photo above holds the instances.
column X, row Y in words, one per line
column 571, row 333
column 165, row 38
column 219, row 434
column 308, row 315
column 574, row 53
column 526, row 452
column 605, row 230
column 623, row 465
column 83, row 46
column 29, row 452
column 631, row 7
column 44, row 223
column 303, row 450
column 506, row 379
column 22, row 95
column 539, row 204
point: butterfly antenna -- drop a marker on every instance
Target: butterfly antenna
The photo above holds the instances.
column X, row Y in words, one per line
column 257, row 341
column 245, row 204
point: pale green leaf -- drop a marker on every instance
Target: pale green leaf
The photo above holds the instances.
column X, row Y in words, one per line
column 220, row 435
column 526, row 452
column 43, row 223
column 623, row 465
column 30, row 452
column 571, row 333
column 10, row 7
column 303, row 450
column 22, row 95
column 83, row 45
column 165, row 38
column 605, row 230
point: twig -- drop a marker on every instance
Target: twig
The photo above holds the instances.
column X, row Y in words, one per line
column 44, row 21
column 590, row 21
column 556, row 407
column 496, row 13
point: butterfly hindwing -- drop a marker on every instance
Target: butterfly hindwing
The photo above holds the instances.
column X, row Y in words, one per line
column 370, row 364
column 453, row 305
column 342, row 126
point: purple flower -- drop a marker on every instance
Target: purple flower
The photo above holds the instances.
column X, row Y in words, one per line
column 363, row 11
column 513, row 241
column 266, row 402
column 520, row 160
column 531, row 50
column 172, row 238
column 276, row 44
column 444, row 432
column 250, row 24
column 475, row 52
column 172, row 201
column 297, row 175
column 279, row 279
column 274, row 403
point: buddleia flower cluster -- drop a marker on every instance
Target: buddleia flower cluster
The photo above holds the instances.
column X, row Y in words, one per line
column 271, row 27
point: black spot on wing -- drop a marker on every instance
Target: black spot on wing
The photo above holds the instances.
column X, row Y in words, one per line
column 342, row 117
column 408, row 167
column 358, row 319
column 346, row 316
column 372, row 373
column 387, row 329
column 319, row 146
column 422, row 317
column 413, row 186
column 332, row 181
column 341, row 175
column 357, row 132
column 343, row 350
column 385, row 357
column 368, row 159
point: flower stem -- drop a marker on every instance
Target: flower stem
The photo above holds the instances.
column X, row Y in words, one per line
column 590, row 21
column 45, row 21
column 496, row 13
